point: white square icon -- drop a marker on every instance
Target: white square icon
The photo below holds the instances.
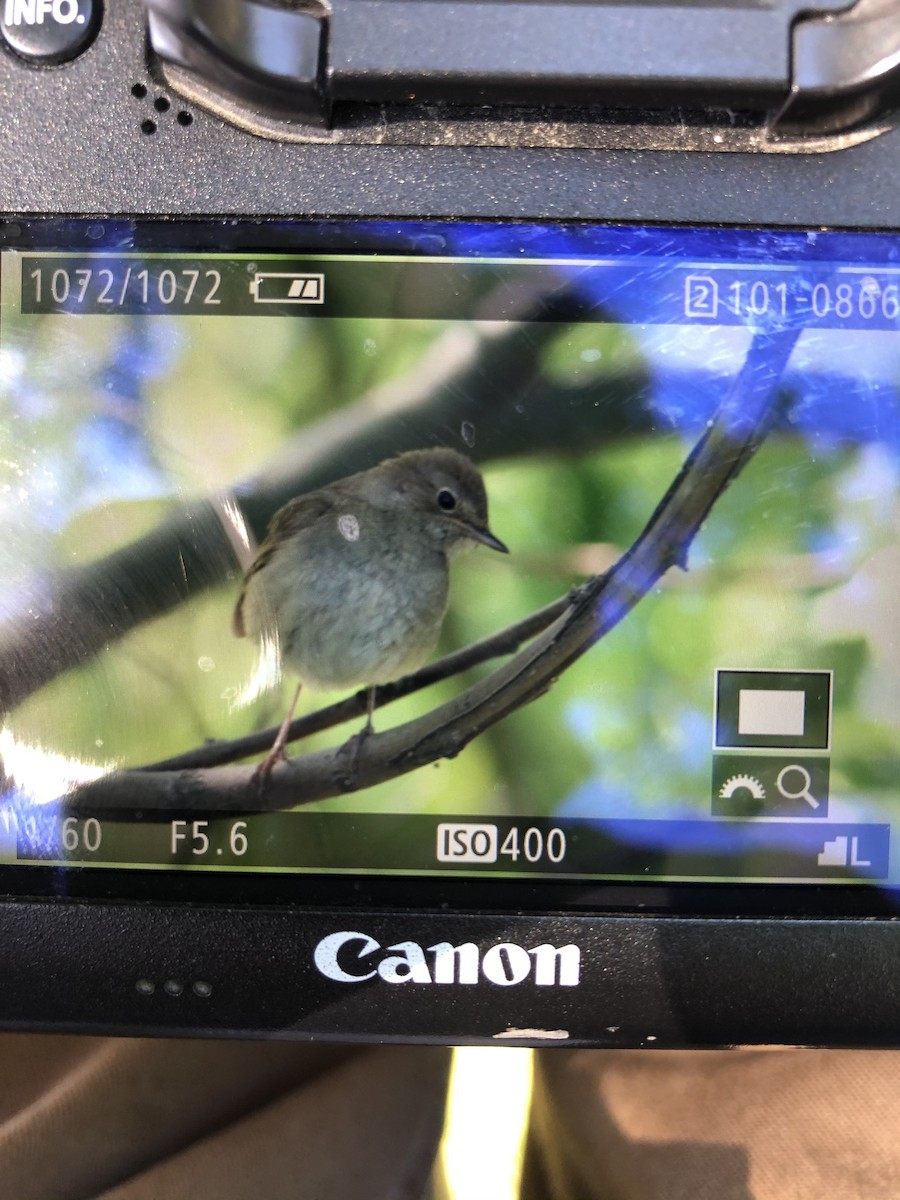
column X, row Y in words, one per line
column 763, row 712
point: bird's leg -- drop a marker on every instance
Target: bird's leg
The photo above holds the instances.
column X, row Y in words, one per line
column 276, row 754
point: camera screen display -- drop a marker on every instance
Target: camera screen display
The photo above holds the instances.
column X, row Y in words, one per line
column 581, row 542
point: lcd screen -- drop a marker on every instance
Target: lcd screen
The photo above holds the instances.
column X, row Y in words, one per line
column 686, row 667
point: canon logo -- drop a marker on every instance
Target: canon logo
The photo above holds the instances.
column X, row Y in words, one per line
column 347, row 957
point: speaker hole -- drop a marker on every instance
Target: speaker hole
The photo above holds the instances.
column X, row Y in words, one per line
column 161, row 104
column 184, row 118
column 139, row 91
column 148, row 127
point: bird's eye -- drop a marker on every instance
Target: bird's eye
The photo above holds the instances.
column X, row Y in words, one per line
column 446, row 500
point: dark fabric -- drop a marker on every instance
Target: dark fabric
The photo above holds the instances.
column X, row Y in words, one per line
column 141, row 1119
column 714, row 1125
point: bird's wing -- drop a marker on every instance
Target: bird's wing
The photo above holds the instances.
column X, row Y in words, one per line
column 299, row 513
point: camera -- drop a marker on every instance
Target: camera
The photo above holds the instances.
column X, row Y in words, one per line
column 294, row 299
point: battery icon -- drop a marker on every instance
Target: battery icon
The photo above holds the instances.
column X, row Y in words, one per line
column 287, row 287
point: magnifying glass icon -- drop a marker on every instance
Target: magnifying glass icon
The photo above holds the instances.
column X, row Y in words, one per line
column 803, row 778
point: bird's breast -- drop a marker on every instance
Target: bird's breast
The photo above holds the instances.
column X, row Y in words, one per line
column 354, row 604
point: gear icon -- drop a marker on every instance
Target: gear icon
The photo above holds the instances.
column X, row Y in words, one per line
column 750, row 782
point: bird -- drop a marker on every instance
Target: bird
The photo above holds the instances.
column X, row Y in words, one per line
column 351, row 580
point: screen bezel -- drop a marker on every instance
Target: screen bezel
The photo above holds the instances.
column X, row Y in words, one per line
column 712, row 899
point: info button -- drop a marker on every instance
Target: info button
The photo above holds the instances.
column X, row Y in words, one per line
column 49, row 32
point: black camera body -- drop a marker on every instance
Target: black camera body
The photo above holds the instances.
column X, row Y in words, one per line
column 372, row 130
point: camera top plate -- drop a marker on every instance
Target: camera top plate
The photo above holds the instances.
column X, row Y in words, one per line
column 124, row 147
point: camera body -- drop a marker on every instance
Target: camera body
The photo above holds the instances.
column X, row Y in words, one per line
column 137, row 131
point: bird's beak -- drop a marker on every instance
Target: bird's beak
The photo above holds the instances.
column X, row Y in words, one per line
column 486, row 538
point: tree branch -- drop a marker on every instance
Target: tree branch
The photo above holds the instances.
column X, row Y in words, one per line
column 739, row 427
column 214, row 754
column 484, row 377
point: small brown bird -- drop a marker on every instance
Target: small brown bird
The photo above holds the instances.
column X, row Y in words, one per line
column 352, row 579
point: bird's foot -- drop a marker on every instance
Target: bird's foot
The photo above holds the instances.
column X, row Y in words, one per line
column 352, row 748
column 260, row 777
